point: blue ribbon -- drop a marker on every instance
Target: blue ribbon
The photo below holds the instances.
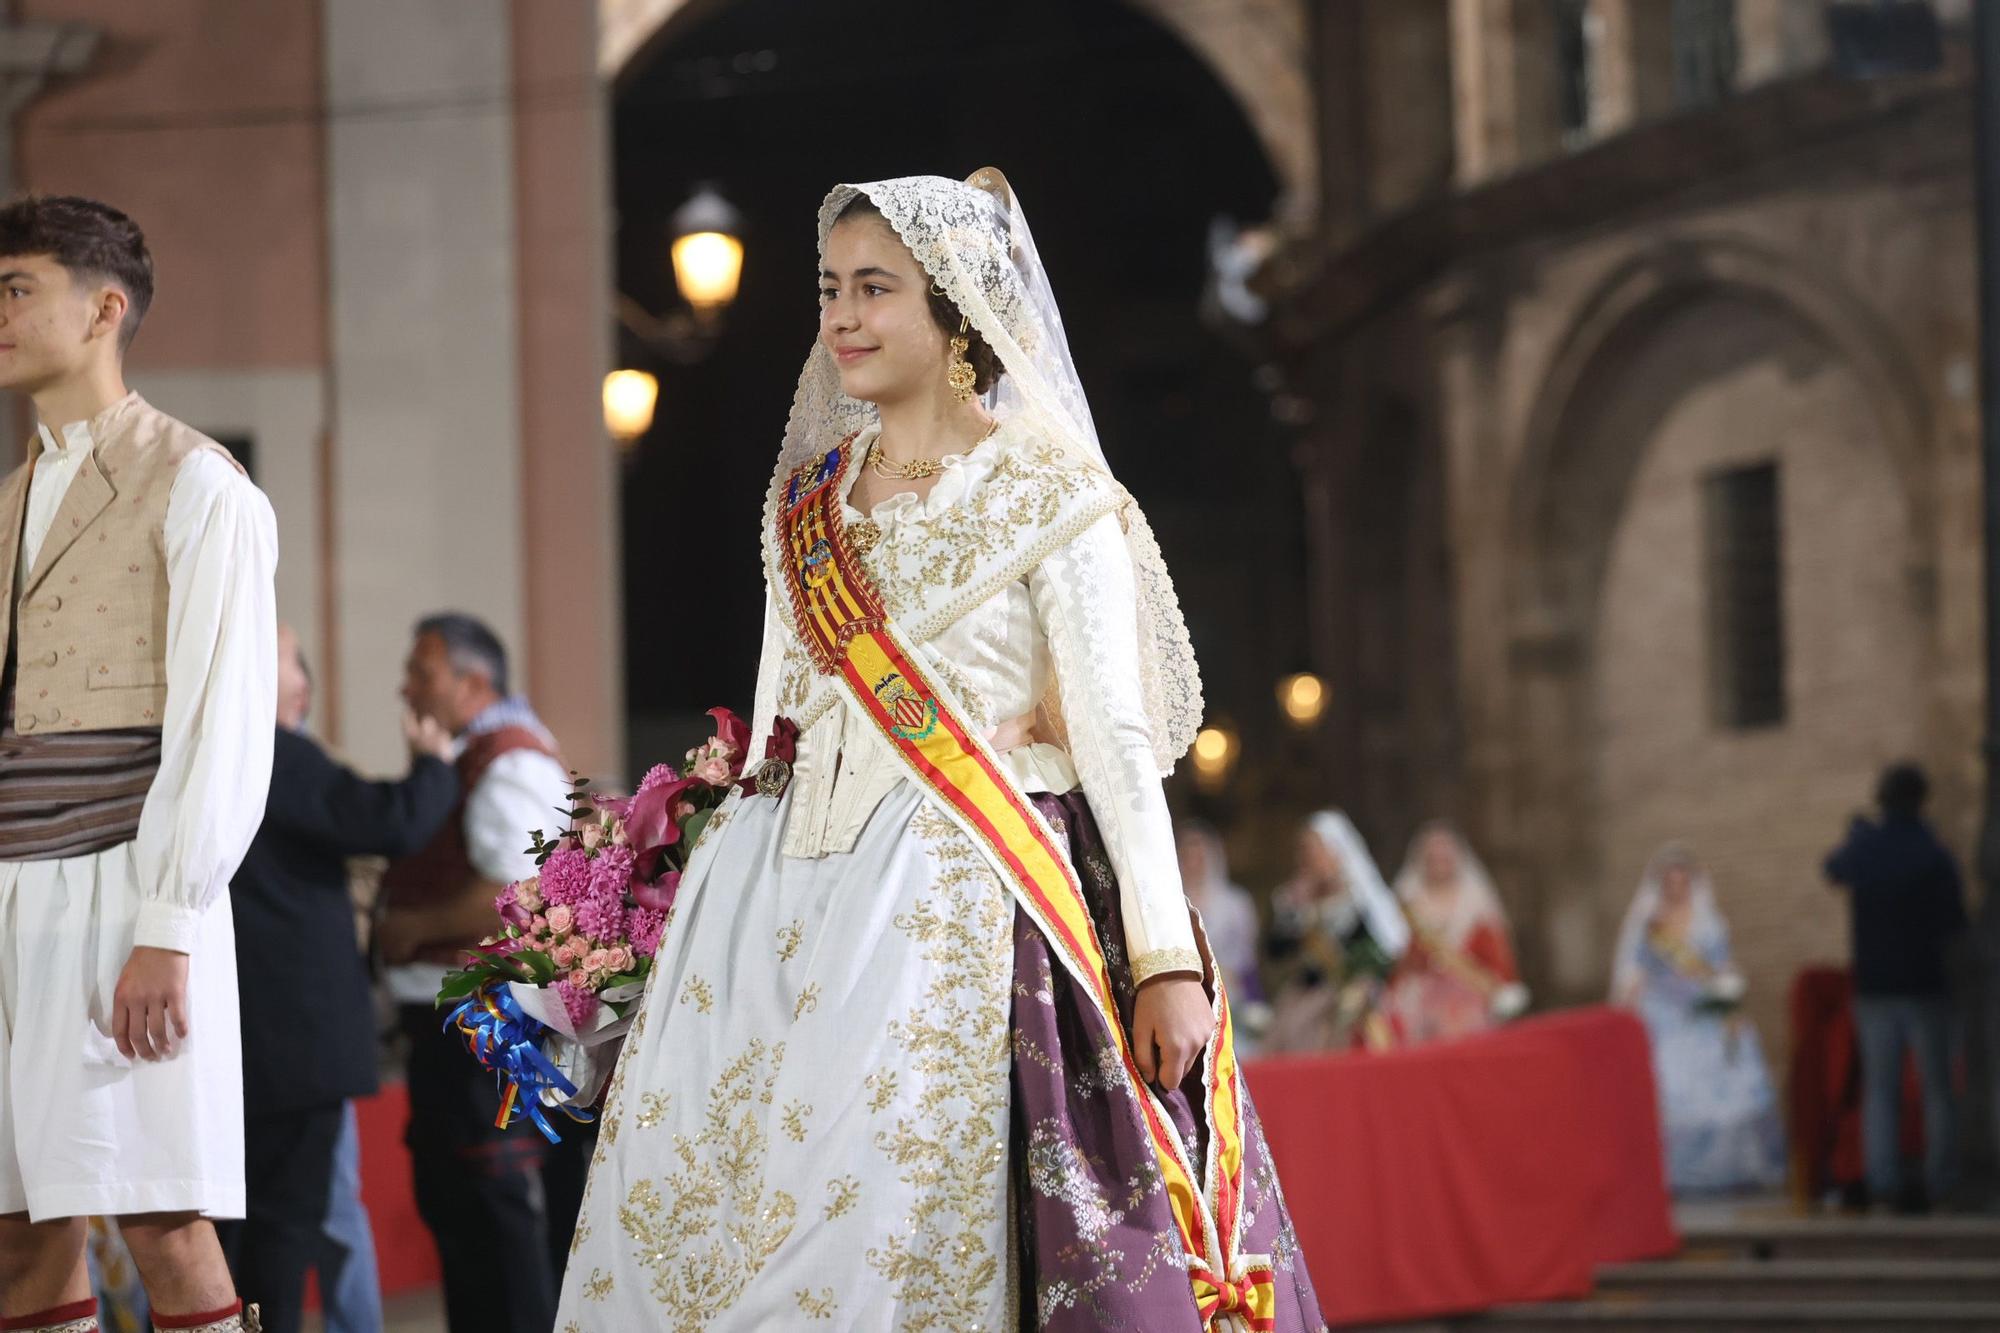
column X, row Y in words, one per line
column 504, row 1038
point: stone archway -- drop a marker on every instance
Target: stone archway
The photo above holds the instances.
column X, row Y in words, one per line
column 1697, row 356
column 1257, row 48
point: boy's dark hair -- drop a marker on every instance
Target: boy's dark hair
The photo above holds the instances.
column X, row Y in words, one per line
column 1903, row 789
column 93, row 241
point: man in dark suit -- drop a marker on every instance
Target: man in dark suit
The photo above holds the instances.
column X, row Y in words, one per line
column 308, row 1018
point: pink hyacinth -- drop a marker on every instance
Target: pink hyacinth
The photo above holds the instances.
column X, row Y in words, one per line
column 602, row 918
column 566, row 877
column 645, row 927
column 658, row 775
column 611, row 872
column 578, row 1003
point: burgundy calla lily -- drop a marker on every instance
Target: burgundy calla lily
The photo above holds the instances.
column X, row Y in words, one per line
column 658, row 896
column 731, row 730
column 649, row 817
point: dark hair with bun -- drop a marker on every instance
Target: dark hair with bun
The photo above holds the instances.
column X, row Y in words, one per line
column 985, row 364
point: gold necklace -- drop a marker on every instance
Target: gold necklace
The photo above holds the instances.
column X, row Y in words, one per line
column 917, row 469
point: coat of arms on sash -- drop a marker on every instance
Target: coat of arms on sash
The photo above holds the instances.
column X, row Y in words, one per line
column 911, row 716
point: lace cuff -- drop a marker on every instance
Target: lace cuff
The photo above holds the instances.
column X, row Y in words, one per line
column 1162, row 961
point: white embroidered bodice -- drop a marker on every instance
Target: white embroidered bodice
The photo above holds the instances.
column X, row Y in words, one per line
column 1013, row 579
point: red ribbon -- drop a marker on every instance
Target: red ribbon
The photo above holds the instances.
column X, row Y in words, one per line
column 782, row 743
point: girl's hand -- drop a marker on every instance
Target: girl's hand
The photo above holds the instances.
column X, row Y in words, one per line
column 1171, row 1025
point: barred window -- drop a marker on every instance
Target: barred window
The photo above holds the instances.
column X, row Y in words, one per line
column 1572, row 24
column 1704, row 41
column 1746, row 613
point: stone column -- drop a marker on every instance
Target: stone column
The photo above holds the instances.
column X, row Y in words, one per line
column 1504, row 83
column 1775, row 38
column 31, row 55
column 1631, row 63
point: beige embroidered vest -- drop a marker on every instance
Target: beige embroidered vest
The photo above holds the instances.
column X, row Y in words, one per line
column 89, row 634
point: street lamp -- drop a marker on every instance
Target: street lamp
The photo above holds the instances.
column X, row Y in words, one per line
column 629, row 399
column 1214, row 755
column 1303, row 697
column 706, row 248
column 707, row 251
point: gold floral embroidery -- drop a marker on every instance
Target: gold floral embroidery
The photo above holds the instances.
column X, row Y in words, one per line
column 795, row 679
column 788, row 940
column 978, row 713
column 715, row 822
column 795, row 1120
column 951, row 1148
column 597, row 1286
column 844, row 1192
column 652, row 1110
column 698, row 993
column 1152, row 963
column 807, row 1002
column 881, row 1087
column 709, row 1227
column 821, row 1306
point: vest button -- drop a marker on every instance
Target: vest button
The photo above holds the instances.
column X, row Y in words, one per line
column 53, row 715
column 54, row 603
column 49, row 659
column 26, row 722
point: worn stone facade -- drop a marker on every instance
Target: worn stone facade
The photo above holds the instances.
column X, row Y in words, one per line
column 1520, row 391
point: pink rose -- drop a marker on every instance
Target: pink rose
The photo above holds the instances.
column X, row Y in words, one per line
column 564, row 954
column 562, row 918
column 620, row 960
column 590, row 835
column 529, row 893
column 538, row 925
column 715, row 771
column 597, row 960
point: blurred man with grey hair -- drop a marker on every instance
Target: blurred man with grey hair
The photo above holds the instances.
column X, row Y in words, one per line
column 500, row 1203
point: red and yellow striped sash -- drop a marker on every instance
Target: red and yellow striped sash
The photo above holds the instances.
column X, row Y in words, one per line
column 841, row 620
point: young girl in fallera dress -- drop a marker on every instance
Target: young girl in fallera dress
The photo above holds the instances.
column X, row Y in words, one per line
column 933, row 1041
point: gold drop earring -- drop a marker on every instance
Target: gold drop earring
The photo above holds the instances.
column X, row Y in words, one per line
column 959, row 374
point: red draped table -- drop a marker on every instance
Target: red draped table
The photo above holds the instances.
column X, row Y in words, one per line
column 1455, row 1177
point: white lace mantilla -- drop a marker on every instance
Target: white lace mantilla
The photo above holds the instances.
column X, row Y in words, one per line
column 973, row 239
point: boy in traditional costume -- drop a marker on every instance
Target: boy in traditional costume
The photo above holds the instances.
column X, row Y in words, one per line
column 139, row 685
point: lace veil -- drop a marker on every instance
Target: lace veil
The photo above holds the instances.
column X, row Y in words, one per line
column 1706, row 928
column 973, row 240
column 1476, row 902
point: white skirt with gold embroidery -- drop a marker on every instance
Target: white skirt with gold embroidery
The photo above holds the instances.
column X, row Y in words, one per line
column 808, row 1127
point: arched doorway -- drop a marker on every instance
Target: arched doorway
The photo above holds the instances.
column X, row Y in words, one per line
column 1711, row 381
column 1123, row 147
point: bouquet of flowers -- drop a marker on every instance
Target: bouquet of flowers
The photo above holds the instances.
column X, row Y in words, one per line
column 1721, row 995
column 541, row 999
